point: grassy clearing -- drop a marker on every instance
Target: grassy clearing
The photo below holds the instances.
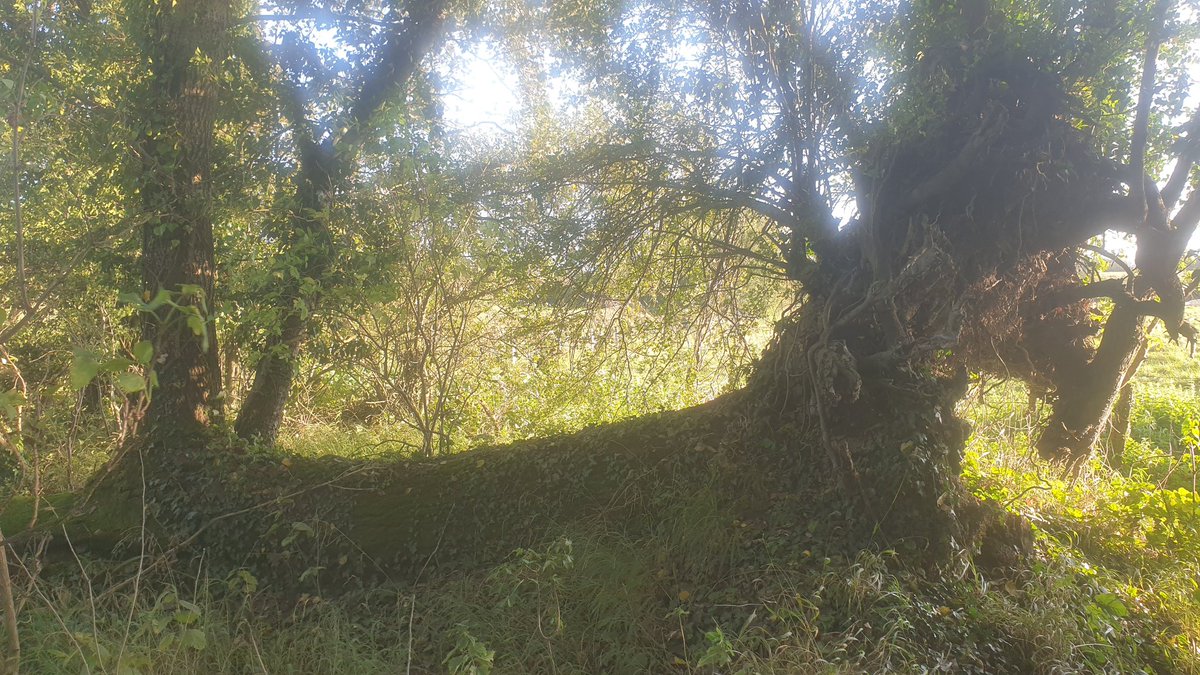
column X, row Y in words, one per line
column 1114, row 588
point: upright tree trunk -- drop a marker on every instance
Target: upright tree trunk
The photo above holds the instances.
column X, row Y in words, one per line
column 262, row 411
column 1119, row 426
column 184, row 45
column 1084, row 399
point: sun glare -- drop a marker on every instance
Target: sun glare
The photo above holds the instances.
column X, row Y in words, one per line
column 480, row 94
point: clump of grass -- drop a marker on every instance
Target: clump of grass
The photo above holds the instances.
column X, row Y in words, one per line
column 354, row 442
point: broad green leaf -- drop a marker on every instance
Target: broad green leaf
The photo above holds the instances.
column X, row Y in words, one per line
column 83, row 369
column 9, row 400
column 142, row 303
column 143, row 352
column 196, row 324
column 1110, row 603
column 116, row 365
column 193, row 638
column 191, row 290
column 131, row 382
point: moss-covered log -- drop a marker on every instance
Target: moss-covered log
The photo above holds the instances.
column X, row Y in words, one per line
column 282, row 515
column 480, row 505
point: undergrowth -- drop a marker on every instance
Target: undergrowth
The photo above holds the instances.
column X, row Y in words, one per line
column 1113, row 587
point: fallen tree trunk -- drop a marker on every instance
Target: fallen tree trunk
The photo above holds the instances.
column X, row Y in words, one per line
column 480, row 505
column 330, row 523
column 283, row 516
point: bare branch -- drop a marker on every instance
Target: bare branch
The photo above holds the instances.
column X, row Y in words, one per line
column 1183, row 163
column 1110, row 256
column 1141, row 122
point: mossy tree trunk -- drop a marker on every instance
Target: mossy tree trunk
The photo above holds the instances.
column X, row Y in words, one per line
column 185, row 45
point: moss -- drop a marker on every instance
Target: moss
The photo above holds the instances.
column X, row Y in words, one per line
column 477, row 506
column 97, row 527
column 19, row 512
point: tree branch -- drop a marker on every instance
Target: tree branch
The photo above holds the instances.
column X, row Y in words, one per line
column 398, row 59
column 1141, row 122
column 1183, row 163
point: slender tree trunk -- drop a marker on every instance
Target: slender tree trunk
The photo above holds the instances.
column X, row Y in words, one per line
column 1084, row 400
column 262, row 411
column 1118, row 426
column 1122, row 413
column 184, row 44
column 12, row 660
column 312, row 250
column 325, row 168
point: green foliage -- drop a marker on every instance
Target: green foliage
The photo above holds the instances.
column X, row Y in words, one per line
column 469, row 656
column 129, row 377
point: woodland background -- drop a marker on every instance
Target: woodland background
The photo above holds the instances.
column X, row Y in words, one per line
column 731, row 336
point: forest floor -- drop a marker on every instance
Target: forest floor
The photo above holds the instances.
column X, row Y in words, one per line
column 1113, row 586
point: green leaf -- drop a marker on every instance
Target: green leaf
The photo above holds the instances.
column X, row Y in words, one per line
column 116, row 365
column 196, row 324
column 311, row 572
column 161, row 298
column 131, row 382
column 191, row 290
column 143, row 352
column 3, row 316
column 186, row 618
column 1110, row 603
column 9, row 400
column 193, row 638
column 189, row 606
column 83, row 369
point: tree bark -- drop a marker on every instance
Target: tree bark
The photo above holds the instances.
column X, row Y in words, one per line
column 184, row 44
column 1118, row 427
column 12, row 660
column 1085, row 398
